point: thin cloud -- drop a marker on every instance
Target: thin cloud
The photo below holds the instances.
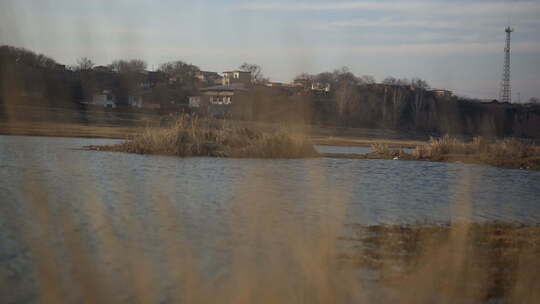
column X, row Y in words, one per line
column 465, row 24
column 376, row 6
column 454, row 8
column 399, row 48
column 396, row 23
column 446, row 48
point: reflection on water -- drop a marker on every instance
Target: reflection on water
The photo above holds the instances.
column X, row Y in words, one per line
column 351, row 149
column 343, row 150
column 152, row 207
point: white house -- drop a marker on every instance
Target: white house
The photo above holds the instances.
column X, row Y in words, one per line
column 442, row 93
column 194, row 101
column 318, row 86
column 105, row 99
column 237, row 78
column 216, row 100
column 135, row 101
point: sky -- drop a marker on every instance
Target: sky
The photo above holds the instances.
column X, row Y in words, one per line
column 456, row 45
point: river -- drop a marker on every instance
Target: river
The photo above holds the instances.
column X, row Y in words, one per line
column 90, row 214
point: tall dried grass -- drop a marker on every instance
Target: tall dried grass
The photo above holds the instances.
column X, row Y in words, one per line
column 217, row 138
column 507, row 148
column 509, row 152
column 382, row 150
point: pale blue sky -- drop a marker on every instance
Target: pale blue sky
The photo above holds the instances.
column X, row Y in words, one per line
column 452, row 44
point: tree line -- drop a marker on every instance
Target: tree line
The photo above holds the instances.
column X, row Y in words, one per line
column 337, row 98
column 404, row 105
column 25, row 75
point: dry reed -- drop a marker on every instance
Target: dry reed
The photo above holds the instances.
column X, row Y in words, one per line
column 216, row 138
column 511, row 153
column 506, row 148
column 381, row 150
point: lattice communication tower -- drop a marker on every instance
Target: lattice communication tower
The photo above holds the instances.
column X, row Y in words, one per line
column 506, row 89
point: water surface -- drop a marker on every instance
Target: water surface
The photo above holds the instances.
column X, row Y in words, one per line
column 107, row 206
column 351, row 149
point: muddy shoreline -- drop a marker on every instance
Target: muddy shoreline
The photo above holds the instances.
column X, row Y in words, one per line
column 127, row 132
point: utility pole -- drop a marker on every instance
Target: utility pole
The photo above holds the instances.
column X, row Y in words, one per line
column 506, row 90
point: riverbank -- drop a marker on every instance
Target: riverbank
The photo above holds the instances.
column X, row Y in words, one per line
column 505, row 153
column 318, row 136
column 68, row 130
column 531, row 163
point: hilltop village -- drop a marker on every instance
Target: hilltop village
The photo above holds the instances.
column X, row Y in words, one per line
column 328, row 99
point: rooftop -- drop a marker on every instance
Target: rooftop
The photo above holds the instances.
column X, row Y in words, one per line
column 223, row 88
column 237, row 71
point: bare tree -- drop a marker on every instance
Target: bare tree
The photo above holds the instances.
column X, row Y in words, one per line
column 25, row 57
column 183, row 73
column 128, row 66
column 403, row 82
column 419, row 83
column 84, row 64
column 345, row 83
column 304, row 77
column 534, row 100
column 256, row 72
column 344, row 75
column 326, row 78
column 390, row 80
column 130, row 75
column 367, row 79
column 345, row 95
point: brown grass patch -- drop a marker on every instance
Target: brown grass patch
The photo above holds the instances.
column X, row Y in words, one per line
column 511, row 152
column 216, row 138
column 382, row 150
column 505, row 153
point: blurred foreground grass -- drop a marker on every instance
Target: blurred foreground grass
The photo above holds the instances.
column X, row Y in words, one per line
column 475, row 261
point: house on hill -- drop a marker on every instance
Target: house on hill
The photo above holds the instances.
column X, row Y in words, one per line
column 488, row 100
column 441, row 93
column 274, row 84
column 151, row 79
column 321, row 87
column 135, row 101
column 102, row 69
column 237, row 79
column 216, row 100
column 104, row 99
column 208, row 78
